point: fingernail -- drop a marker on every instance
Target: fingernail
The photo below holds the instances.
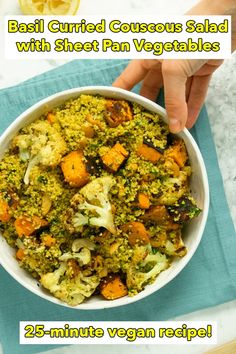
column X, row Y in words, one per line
column 175, row 125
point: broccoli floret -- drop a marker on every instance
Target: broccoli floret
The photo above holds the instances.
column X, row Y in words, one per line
column 93, row 201
column 70, row 290
column 144, row 268
column 40, row 144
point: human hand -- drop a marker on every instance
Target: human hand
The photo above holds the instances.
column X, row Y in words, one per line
column 185, row 82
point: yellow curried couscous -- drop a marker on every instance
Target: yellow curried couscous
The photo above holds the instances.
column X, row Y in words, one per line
column 94, row 196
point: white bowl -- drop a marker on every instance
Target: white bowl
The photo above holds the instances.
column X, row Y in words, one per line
column 199, row 188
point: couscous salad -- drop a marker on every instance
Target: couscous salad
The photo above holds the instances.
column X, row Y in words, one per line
column 94, row 196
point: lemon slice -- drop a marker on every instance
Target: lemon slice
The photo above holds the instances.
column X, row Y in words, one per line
column 49, row 7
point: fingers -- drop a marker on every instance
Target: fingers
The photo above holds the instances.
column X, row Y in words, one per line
column 197, row 97
column 184, row 80
column 152, row 83
column 190, row 66
column 198, row 89
column 174, row 82
column 188, row 87
column 209, row 67
column 134, row 73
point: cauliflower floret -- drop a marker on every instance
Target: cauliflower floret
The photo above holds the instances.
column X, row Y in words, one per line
column 73, row 291
column 174, row 246
column 144, row 270
column 51, row 280
column 83, row 256
column 41, row 144
column 93, row 199
column 174, row 187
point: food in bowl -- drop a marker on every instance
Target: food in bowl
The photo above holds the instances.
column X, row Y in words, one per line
column 94, row 196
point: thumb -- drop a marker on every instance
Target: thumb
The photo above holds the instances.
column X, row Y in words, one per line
column 175, row 98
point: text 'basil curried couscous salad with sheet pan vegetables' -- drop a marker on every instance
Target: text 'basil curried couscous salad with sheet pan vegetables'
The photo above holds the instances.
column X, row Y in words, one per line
column 94, row 196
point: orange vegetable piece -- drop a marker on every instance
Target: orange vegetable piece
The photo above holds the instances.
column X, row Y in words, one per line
column 20, row 254
column 148, row 153
column 178, row 152
column 160, row 215
column 157, row 213
column 114, row 158
column 113, row 288
column 27, row 225
column 74, row 169
column 117, row 112
column 51, row 118
column 171, row 225
column 48, row 240
column 137, row 233
column 143, row 201
column 4, row 211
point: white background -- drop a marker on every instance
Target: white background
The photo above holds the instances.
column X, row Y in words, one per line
column 166, row 332
column 221, row 105
column 224, row 39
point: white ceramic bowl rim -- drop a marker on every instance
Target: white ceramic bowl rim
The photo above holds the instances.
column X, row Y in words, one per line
column 57, row 99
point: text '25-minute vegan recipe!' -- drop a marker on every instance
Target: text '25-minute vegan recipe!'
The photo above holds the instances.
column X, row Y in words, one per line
column 94, row 196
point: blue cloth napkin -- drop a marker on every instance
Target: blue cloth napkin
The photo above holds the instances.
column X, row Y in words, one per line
column 209, row 278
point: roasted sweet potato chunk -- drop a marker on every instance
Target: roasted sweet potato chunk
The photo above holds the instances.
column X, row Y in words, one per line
column 112, row 287
column 117, row 112
column 160, row 216
column 148, row 153
column 143, row 201
column 177, row 152
column 48, row 240
column 114, row 158
column 20, row 254
column 74, row 169
column 157, row 213
column 51, row 118
column 28, row 225
column 4, row 210
column 137, row 233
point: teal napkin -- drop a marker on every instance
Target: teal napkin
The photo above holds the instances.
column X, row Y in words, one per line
column 209, row 278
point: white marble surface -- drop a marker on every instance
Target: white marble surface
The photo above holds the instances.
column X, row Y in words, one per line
column 221, row 105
